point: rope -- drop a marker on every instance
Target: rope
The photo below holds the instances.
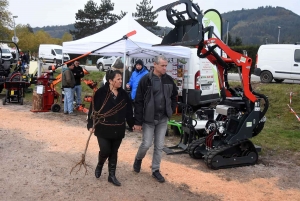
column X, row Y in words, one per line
column 99, row 118
column 289, row 105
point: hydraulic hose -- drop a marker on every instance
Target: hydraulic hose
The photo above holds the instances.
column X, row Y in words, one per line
column 266, row 106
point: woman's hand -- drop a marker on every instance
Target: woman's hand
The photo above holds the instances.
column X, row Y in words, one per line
column 137, row 128
column 91, row 130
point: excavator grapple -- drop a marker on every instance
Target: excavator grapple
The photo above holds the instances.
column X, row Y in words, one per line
column 188, row 24
column 241, row 111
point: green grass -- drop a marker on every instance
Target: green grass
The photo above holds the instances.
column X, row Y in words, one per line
column 282, row 129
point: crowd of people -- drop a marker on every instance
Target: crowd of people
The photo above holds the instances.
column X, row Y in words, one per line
column 151, row 102
column 153, row 96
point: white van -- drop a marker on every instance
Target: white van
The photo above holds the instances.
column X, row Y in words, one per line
column 6, row 53
column 278, row 62
column 200, row 83
column 52, row 53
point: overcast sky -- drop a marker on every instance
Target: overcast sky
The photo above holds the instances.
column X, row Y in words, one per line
column 62, row 12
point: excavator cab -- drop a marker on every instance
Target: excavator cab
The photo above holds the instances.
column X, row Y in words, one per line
column 188, row 29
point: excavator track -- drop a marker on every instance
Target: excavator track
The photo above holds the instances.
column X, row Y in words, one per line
column 193, row 146
column 236, row 155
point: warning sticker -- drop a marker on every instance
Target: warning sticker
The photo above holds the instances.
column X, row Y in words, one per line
column 249, row 124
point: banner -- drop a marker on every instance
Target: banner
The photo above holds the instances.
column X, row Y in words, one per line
column 213, row 18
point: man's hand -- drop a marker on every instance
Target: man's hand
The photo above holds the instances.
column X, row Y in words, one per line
column 91, row 130
column 127, row 86
column 137, row 128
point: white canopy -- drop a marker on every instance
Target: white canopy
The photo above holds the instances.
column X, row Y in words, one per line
column 138, row 45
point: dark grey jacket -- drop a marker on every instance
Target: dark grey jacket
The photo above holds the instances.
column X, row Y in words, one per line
column 144, row 100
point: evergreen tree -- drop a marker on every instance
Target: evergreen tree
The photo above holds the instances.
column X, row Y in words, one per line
column 94, row 18
column 145, row 16
column 238, row 41
column 230, row 41
column 29, row 28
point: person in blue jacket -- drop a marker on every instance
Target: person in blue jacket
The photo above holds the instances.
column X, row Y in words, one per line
column 138, row 73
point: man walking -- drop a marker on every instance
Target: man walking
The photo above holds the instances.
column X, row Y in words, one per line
column 155, row 102
column 78, row 74
column 68, row 83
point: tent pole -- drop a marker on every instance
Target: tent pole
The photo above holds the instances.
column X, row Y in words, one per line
column 124, row 67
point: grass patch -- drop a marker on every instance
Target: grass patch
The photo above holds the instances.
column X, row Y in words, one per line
column 282, row 129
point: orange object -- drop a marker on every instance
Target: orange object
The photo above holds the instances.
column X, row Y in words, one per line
column 240, row 60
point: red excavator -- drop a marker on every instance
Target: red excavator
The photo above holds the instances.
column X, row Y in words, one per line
column 241, row 112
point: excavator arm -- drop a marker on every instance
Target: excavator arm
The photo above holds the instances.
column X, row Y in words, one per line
column 206, row 49
column 58, row 77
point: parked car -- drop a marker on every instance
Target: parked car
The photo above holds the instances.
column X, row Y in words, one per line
column 278, row 62
column 6, row 54
column 104, row 63
column 52, row 53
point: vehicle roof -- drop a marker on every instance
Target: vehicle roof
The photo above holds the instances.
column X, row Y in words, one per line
column 294, row 46
column 51, row 45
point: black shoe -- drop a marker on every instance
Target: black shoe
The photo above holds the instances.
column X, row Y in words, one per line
column 99, row 167
column 98, row 171
column 158, row 176
column 114, row 180
column 137, row 165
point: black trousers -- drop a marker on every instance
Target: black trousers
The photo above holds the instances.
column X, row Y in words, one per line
column 109, row 147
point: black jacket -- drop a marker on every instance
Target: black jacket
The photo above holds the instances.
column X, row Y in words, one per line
column 78, row 74
column 144, row 101
column 116, row 129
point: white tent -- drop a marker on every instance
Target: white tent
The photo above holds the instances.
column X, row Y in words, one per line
column 138, row 45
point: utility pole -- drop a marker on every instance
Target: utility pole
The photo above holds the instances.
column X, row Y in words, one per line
column 278, row 33
column 15, row 35
column 227, row 32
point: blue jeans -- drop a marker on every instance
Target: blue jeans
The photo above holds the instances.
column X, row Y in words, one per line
column 78, row 90
column 156, row 131
column 23, row 66
column 68, row 100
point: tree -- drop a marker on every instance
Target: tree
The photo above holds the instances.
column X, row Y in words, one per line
column 238, row 41
column 94, row 18
column 67, row 37
column 29, row 28
column 145, row 16
column 230, row 41
column 5, row 15
column 5, row 20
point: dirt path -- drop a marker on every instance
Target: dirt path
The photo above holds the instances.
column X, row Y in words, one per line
column 38, row 150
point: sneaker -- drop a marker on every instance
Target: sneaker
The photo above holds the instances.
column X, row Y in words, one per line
column 158, row 176
column 72, row 114
column 137, row 165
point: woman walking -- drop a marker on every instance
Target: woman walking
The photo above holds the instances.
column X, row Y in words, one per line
column 110, row 108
